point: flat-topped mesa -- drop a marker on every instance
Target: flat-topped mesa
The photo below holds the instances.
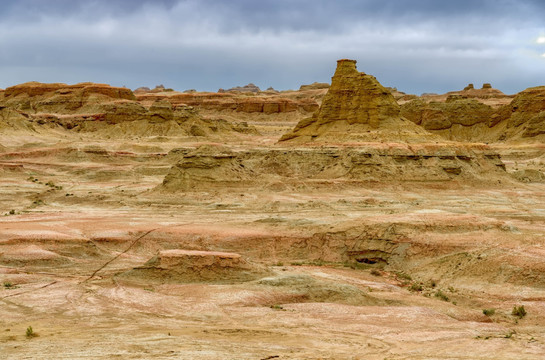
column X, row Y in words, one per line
column 356, row 108
column 33, row 89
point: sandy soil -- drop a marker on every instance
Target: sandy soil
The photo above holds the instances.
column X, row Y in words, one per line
column 368, row 271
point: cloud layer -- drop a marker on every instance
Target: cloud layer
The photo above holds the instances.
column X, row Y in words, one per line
column 418, row 46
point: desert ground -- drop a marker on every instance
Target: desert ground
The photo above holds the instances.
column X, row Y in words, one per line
column 342, row 222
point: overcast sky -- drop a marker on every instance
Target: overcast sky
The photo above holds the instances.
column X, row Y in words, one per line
column 416, row 46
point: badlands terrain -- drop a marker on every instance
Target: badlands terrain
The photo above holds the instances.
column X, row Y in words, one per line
column 342, row 221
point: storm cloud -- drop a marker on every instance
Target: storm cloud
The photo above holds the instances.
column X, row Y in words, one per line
column 418, row 46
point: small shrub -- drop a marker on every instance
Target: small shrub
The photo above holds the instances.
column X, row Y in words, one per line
column 439, row 294
column 317, row 263
column 8, row 285
column 519, row 311
column 416, row 287
column 510, row 334
column 12, row 212
column 30, row 332
column 277, row 307
column 489, row 312
column 404, row 276
column 433, row 283
column 280, row 263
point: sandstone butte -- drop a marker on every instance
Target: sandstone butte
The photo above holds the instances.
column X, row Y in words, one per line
column 356, row 108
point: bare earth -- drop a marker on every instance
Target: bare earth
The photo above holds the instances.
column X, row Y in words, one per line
column 67, row 256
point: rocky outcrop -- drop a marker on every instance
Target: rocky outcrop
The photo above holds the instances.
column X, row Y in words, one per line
column 486, row 95
column 157, row 89
column 524, row 117
column 228, row 102
column 356, row 108
column 250, row 88
column 451, row 117
column 37, row 100
column 64, row 94
column 314, row 86
column 105, row 109
column 13, row 120
column 217, row 166
column 142, row 89
column 189, row 266
column 462, row 117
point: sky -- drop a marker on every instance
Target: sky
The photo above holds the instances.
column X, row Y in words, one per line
column 416, row 46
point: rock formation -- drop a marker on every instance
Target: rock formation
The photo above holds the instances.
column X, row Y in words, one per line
column 465, row 116
column 183, row 266
column 356, row 108
column 210, row 167
column 486, row 95
column 142, row 89
column 250, row 88
column 314, row 86
column 524, row 117
column 451, row 119
column 158, row 89
column 102, row 108
column 230, row 102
